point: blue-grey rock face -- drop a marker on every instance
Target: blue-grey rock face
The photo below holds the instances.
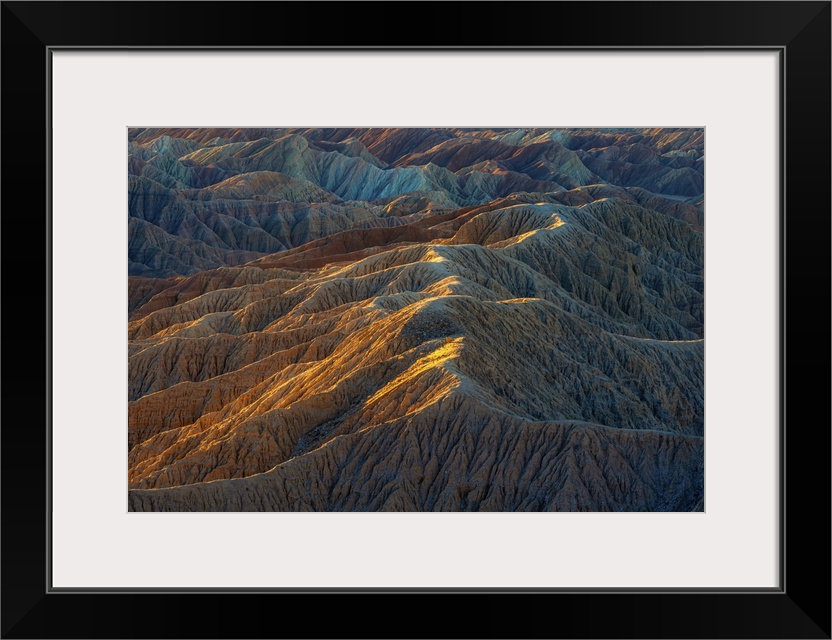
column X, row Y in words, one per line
column 225, row 198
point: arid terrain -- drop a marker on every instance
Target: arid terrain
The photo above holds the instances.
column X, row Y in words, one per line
column 416, row 320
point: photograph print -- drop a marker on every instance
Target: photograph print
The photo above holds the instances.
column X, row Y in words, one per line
column 415, row 319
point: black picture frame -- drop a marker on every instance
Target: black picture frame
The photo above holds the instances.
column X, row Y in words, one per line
column 799, row 608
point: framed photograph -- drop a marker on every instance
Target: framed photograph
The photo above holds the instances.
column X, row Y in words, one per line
column 440, row 309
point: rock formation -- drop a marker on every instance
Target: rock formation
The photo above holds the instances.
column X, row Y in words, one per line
column 416, row 319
